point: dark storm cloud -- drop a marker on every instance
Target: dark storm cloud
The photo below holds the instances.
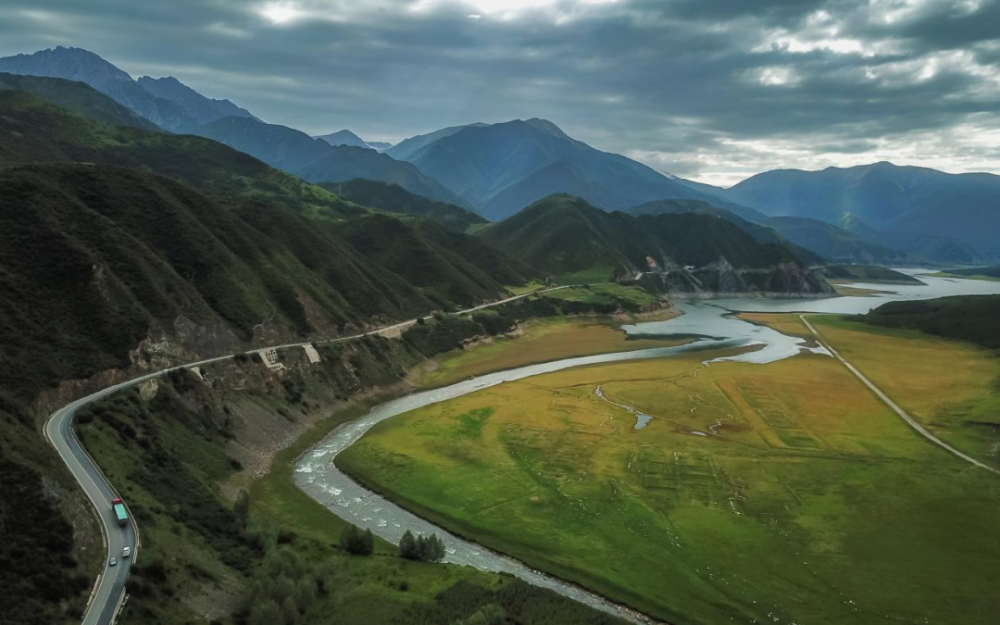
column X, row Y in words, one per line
column 714, row 88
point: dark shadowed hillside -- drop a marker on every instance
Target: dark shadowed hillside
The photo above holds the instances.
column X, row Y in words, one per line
column 446, row 266
column 969, row 317
column 95, row 260
column 565, row 236
column 815, row 241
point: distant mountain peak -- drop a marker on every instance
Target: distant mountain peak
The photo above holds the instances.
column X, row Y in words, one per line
column 166, row 102
column 344, row 137
column 548, row 127
column 62, row 62
column 502, row 168
column 928, row 213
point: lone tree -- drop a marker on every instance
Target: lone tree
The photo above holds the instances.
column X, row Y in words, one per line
column 354, row 541
column 408, row 546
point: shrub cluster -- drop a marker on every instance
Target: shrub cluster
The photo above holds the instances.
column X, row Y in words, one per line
column 356, row 542
column 421, row 548
column 445, row 333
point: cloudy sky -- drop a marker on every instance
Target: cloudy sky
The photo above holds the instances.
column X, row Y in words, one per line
column 714, row 90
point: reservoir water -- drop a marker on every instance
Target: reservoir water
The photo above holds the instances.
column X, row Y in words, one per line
column 713, row 325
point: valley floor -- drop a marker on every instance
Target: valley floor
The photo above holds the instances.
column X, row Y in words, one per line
column 784, row 492
column 539, row 340
column 181, row 449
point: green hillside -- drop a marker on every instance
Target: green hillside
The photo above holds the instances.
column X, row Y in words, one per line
column 76, row 97
column 32, row 130
column 811, row 240
column 869, row 273
column 745, row 222
column 981, row 273
column 396, row 199
column 967, row 317
column 447, row 266
column 95, row 258
column 565, row 236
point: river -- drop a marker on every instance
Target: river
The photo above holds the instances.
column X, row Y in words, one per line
column 713, row 325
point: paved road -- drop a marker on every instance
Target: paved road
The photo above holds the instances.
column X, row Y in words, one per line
column 895, row 408
column 107, row 596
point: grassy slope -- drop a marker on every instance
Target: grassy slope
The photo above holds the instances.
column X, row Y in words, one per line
column 567, row 238
column 747, row 220
column 396, row 199
column 869, row 273
column 810, row 503
column 977, row 273
column 632, row 296
column 970, row 318
column 948, row 386
column 449, row 268
column 543, row 340
column 564, row 234
column 96, row 258
column 78, row 98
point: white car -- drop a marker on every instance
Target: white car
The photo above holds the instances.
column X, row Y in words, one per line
column 126, row 552
column 113, row 561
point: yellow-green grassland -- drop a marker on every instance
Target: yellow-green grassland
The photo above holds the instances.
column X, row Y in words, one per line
column 539, row 340
column 784, row 493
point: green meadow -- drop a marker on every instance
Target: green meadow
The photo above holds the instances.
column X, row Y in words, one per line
column 782, row 493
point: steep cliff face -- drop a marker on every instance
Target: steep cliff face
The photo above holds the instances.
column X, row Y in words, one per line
column 721, row 279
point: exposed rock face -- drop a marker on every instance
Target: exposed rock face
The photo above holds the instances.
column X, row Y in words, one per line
column 721, row 279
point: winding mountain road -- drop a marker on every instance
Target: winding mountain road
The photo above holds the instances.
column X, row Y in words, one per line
column 109, row 591
column 895, row 407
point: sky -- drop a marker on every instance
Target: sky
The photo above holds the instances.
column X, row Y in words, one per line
column 712, row 90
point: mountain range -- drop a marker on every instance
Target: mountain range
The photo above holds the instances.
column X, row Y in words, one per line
column 143, row 224
column 814, row 241
column 501, row 168
column 315, row 160
column 166, row 102
column 173, row 228
column 877, row 213
column 915, row 210
column 344, row 137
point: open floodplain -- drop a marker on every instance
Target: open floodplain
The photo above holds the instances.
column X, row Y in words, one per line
column 783, row 492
